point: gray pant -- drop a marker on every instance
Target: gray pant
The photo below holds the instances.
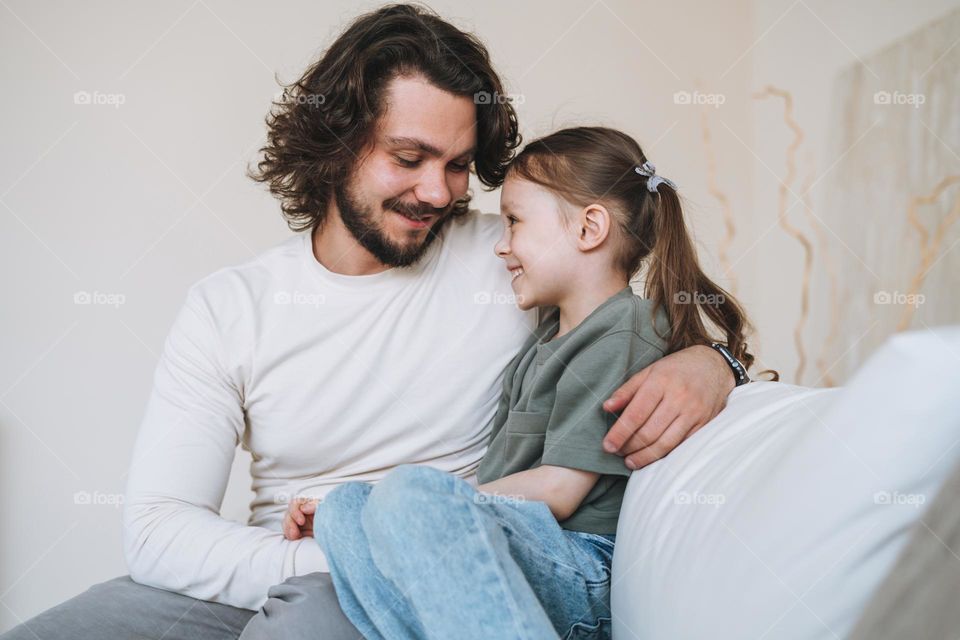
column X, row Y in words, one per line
column 120, row 609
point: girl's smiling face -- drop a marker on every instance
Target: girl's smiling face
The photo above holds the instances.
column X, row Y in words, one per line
column 536, row 244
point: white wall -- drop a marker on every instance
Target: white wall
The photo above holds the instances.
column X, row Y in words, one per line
column 145, row 199
column 801, row 47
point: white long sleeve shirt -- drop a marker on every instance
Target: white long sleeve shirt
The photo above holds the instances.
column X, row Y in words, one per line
column 325, row 379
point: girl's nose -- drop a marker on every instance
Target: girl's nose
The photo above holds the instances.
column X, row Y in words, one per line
column 502, row 248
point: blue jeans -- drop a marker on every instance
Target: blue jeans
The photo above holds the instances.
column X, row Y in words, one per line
column 425, row 555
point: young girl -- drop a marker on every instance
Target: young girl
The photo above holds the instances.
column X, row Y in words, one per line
column 527, row 554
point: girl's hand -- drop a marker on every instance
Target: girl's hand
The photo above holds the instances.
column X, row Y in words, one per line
column 298, row 520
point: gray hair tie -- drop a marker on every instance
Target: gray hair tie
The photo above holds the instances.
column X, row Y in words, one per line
column 653, row 180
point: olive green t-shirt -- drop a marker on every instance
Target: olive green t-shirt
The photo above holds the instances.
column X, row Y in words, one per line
column 551, row 410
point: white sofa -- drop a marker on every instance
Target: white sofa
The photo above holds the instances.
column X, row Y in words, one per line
column 780, row 518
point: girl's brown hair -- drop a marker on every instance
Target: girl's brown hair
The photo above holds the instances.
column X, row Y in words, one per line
column 324, row 120
column 588, row 165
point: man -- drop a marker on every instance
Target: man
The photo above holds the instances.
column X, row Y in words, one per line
column 377, row 339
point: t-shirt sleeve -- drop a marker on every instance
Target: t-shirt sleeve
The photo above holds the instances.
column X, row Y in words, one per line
column 578, row 422
column 174, row 536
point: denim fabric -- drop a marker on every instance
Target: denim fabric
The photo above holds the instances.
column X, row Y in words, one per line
column 423, row 554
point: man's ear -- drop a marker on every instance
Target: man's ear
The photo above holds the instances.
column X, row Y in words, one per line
column 593, row 226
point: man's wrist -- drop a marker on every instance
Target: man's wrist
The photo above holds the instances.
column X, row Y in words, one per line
column 739, row 371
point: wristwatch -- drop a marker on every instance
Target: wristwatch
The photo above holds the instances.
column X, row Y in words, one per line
column 739, row 371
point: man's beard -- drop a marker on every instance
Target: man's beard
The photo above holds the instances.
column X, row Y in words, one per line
column 360, row 221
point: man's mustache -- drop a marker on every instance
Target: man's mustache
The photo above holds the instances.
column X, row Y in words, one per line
column 419, row 209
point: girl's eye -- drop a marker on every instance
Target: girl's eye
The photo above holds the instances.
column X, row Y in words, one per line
column 511, row 220
column 404, row 162
column 460, row 168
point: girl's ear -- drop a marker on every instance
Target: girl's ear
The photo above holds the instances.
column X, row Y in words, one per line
column 593, row 227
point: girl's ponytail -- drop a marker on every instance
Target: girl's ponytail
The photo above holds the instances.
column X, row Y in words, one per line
column 676, row 282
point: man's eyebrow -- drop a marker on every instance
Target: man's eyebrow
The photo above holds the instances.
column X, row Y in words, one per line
column 424, row 146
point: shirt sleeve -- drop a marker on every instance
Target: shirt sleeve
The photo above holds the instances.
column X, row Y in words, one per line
column 578, row 422
column 173, row 535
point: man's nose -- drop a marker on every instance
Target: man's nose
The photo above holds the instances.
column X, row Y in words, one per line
column 433, row 189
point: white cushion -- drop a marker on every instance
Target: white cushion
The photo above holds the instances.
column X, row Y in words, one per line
column 780, row 517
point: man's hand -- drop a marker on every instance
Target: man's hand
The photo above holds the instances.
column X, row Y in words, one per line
column 298, row 520
column 666, row 403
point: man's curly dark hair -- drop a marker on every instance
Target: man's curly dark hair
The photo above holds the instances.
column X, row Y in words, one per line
column 328, row 116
